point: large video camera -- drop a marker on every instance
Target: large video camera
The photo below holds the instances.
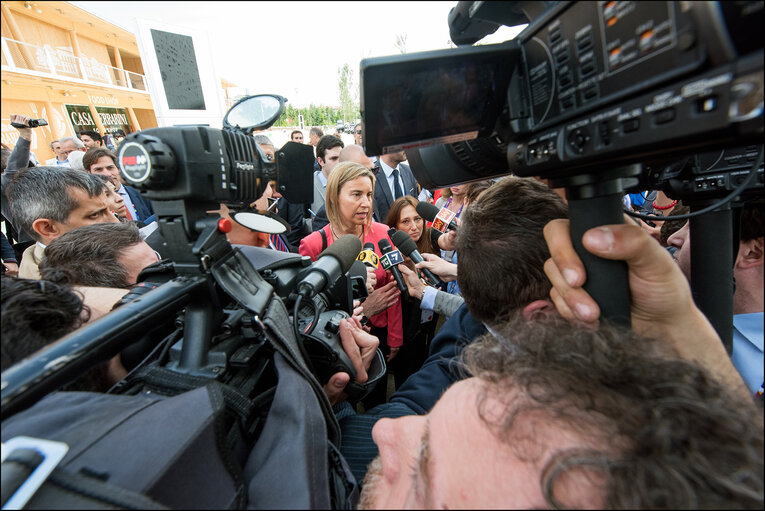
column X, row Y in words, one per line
column 211, row 304
column 598, row 97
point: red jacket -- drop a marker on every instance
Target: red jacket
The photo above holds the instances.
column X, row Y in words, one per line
column 311, row 246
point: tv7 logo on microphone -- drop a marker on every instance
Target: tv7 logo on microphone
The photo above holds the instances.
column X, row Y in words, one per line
column 392, row 258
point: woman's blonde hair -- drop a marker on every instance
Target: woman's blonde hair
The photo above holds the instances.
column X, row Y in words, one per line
column 340, row 175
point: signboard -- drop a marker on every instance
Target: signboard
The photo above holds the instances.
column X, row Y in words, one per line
column 180, row 74
column 112, row 118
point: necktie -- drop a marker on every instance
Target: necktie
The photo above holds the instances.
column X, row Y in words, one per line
column 130, row 215
column 278, row 243
column 396, row 185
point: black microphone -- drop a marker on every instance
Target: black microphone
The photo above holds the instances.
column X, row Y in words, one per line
column 429, row 212
column 331, row 264
column 407, row 247
column 390, row 258
column 368, row 256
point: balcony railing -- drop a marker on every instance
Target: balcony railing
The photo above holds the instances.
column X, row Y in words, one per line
column 18, row 56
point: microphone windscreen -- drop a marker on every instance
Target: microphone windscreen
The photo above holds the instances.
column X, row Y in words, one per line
column 427, row 211
column 344, row 249
column 369, row 246
column 358, row 269
column 384, row 246
column 403, row 242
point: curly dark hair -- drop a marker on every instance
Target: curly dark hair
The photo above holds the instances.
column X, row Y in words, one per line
column 659, row 430
column 36, row 313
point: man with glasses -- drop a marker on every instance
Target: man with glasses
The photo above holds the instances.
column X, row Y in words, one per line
column 357, row 135
column 55, row 146
column 69, row 145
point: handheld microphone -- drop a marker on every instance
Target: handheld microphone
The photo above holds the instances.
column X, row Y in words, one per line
column 431, row 213
column 331, row 264
column 368, row 256
column 390, row 258
column 407, row 246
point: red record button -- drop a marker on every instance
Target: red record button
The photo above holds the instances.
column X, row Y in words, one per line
column 224, row 225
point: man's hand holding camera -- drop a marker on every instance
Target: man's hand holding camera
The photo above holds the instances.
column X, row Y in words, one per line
column 26, row 132
column 670, row 314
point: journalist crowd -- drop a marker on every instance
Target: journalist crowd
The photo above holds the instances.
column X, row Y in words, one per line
column 504, row 387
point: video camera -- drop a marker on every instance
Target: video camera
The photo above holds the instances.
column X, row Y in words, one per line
column 211, row 305
column 33, row 123
column 598, row 98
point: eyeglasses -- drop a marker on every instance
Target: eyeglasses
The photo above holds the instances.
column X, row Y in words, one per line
column 358, row 132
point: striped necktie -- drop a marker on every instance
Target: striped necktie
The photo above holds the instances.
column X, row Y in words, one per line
column 278, row 243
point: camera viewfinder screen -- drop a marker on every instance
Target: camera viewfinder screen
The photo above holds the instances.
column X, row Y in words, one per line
column 418, row 103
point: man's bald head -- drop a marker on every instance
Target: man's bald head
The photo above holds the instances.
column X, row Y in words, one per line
column 356, row 154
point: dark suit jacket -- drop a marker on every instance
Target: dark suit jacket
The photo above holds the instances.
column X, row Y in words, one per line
column 293, row 215
column 143, row 207
column 320, row 221
column 384, row 197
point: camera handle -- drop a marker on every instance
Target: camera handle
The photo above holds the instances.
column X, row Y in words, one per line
column 713, row 254
column 593, row 200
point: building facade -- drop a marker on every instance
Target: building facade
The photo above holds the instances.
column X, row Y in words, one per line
column 71, row 68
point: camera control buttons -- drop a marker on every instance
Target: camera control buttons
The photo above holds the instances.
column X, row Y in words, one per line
column 577, row 140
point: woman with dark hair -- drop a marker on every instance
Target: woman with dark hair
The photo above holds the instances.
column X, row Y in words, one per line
column 419, row 324
column 403, row 216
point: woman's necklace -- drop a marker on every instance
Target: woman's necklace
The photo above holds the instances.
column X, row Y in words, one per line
column 336, row 237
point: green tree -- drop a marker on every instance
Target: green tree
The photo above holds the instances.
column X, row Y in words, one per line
column 348, row 94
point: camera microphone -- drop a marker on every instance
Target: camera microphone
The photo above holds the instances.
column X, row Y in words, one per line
column 390, row 258
column 368, row 256
column 431, row 213
column 407, row 246
column 330, row 265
